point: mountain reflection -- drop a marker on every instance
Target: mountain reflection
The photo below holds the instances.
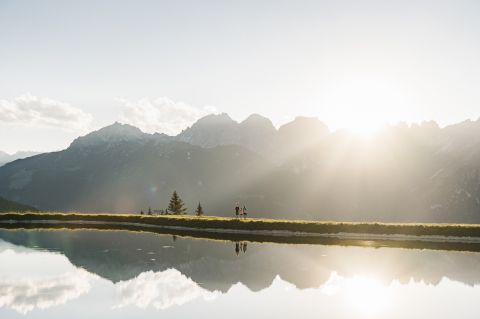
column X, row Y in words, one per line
column 130, row 258
column 160, row 290
column 47, row 273
column 25, row 286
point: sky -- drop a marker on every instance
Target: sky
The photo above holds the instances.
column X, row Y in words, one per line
column 69, row 67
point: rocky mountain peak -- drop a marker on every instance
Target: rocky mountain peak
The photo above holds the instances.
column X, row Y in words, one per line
column 304, row 125
column 113, row 133
column 257, row 120
column 215, row 119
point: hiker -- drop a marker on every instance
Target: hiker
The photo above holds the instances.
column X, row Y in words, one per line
column 237, row 209
column 244, row 212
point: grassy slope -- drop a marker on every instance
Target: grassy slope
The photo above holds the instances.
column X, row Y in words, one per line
column 8, row 206
column 461, row 230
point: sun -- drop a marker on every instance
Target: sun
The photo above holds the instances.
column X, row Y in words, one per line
column 366, row 128
column 364, row 103
column 363, row 125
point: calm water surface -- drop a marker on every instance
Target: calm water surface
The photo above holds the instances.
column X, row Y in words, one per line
column 116, row 274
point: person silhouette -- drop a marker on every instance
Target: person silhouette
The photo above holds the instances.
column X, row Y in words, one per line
column 237, row 209
column 244, row 249
column 237, row 248
column 244, row 212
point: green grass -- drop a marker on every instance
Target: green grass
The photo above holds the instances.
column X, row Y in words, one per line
column 218, row 223
column 9, row 206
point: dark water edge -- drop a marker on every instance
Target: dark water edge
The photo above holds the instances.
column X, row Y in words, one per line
column 258, row 238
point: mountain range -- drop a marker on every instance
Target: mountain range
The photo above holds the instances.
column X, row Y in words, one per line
column 420, row 173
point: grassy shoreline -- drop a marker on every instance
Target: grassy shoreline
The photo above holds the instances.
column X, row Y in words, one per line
column 220, row 224
column 256, row 230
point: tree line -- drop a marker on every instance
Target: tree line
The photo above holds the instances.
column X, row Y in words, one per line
column 175, row 207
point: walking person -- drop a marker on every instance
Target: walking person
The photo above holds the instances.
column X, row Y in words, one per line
column 244, row 212
column 237, row 209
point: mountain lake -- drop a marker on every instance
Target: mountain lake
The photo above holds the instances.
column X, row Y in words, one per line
column 123, row 274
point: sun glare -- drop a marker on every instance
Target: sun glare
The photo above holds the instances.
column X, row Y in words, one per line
column 365, row 128
column 363, row 103
column 361, row 293
column 366, row 294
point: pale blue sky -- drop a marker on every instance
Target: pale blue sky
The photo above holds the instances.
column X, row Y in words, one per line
column 350, row 63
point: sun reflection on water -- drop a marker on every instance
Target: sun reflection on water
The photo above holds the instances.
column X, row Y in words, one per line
column 361, row 293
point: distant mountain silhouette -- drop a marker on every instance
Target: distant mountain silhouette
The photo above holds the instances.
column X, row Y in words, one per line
column 121, row 169
column 256, row 133
column 302, row 170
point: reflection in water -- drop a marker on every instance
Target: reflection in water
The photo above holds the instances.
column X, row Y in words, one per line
column 26, row 294
column 240, row 247
column 111, row 274
column 24, row 291
column 160, row 290
column 364, row 294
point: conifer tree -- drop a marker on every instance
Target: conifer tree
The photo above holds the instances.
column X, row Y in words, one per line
column 176, row 206
column 199, row 210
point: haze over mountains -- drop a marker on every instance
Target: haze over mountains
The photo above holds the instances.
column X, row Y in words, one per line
column 302, row 170
column 6, row 158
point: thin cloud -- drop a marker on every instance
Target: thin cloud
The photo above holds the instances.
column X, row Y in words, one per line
column 161, row 115
column 33, row 111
